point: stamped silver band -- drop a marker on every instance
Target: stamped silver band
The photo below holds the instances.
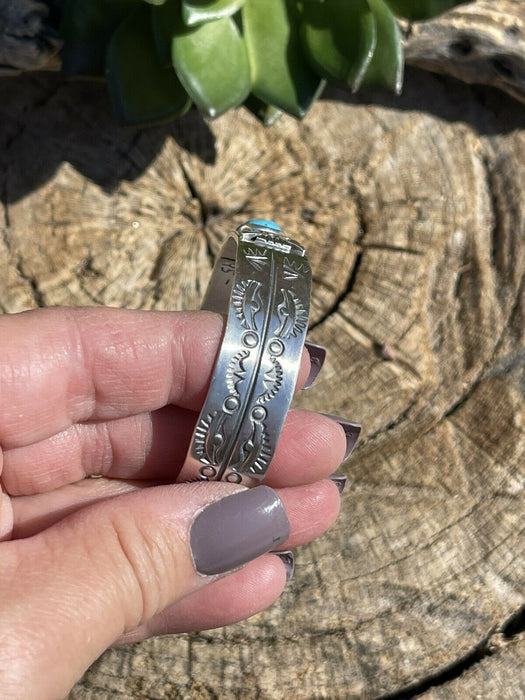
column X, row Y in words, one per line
column 262, row 280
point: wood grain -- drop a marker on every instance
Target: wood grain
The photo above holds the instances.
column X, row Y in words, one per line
column 414, row 222
column 501, row 674
column 481, row 42
column 27, row 39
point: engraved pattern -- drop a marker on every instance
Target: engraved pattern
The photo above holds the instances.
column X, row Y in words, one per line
column 247, row 302
column 256, row 258
column 273, row 379
column 236, row 371
column 233, row 477
column 233, row 440
column 263, row 455
column 253, row 454
column 210, row 438
column 273, row 241
column 292, row 270
column 292, row 315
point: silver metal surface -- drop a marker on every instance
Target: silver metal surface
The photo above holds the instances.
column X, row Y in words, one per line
column 262, row 280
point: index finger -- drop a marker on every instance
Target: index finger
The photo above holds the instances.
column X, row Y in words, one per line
column 63, row 366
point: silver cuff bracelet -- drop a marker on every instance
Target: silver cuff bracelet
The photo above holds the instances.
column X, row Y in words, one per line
column 262, row 281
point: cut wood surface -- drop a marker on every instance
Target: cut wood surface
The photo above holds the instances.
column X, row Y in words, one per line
column 481, row 42
column 414, row 223
column 27, row 40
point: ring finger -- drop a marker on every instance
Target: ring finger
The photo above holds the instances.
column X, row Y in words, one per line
column 149, row 446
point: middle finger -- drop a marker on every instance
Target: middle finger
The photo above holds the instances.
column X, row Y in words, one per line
column 153, row 446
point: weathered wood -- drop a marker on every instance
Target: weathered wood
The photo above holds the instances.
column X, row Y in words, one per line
column 27, row 41
column 482, row 42
column 414, row 222
column 501, row 674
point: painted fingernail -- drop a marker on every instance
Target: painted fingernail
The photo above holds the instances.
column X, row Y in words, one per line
column 317, row 357
column 288, row 560
column 237, row 529
column 340, row 481
column 351, row 429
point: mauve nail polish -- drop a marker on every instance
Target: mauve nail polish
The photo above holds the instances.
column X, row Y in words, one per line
column 237, row 529
column 288, row 560
column 340, row 481
column 317, row 357
column 351, row 429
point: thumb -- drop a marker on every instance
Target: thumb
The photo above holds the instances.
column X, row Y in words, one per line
column 69, row 592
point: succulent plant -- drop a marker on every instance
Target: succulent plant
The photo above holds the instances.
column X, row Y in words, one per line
column 160, row 56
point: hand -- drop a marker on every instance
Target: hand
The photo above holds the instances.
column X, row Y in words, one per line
column 90, row 562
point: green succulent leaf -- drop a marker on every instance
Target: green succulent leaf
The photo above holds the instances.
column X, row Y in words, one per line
column 386, row 67
column 281, row 75
column 155, row 2
column 141, row 89
column 421, row 9
column 164, row 19
column 267, row 114
column 271, row 115
column 340, row 39
column 210, row 60
column 86, row 27
column 199, row 11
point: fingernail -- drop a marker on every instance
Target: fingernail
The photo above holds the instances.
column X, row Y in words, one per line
column 351, row 429
column 237, row 529
column 288, row 560
column 340, row 481
column 317, row 357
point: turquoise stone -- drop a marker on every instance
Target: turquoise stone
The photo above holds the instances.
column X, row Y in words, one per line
column 266, row 224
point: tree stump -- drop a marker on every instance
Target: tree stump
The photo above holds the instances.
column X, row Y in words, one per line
column 414, row 223
column 481, row 42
